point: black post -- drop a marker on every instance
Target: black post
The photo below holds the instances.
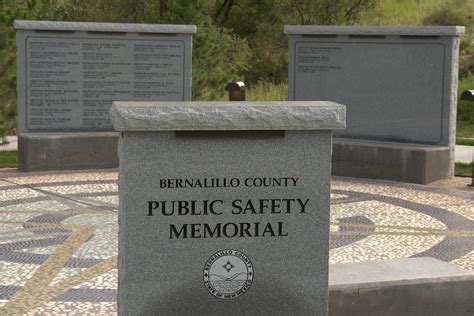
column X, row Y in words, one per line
column 468, row 95
column 472, row 171
column 236, row 90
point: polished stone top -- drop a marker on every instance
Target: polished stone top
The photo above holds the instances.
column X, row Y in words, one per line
column 103, row 27
column 198, row 116
column 375, row 30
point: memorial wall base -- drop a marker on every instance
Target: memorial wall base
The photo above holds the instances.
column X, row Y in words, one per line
column 403, row 162
column 67, row 151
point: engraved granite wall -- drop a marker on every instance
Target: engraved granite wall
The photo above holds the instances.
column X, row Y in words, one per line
column 399, row 85
column 68, row 75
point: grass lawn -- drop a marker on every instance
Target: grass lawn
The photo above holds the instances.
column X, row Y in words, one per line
column 465, row 116
column 463, row 169
column 8, row 159
column 465, row 141
column 465, row 129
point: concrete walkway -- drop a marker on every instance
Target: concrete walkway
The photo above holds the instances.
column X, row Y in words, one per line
column 11, row 145
column 463, row 153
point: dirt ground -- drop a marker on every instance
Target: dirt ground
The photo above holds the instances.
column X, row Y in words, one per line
column 458, row 183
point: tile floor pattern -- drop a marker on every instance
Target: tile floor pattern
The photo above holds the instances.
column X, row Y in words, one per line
column 58, row 235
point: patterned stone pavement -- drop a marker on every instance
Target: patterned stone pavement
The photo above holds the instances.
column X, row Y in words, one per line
column 58, row 235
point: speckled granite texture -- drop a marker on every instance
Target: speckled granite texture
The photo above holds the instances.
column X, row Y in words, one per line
column 254, row 115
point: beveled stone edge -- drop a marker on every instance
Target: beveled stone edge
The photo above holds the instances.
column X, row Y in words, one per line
column 103, row 27
column 375, row 30
column 215, row 116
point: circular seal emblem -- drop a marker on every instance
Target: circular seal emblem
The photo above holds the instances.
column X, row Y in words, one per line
column 228, row 274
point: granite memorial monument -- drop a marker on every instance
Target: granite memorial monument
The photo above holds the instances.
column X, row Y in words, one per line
column 224, row 207
column 68, row 75
column 400, row 87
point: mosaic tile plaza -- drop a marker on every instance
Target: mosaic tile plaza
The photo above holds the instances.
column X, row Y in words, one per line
column 58, row 235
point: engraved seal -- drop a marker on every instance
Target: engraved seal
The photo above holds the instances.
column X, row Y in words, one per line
column 228, row 274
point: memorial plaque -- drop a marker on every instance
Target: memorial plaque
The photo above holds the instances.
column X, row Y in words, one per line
column 71, row 83
column 369, row 75
column 224, row 207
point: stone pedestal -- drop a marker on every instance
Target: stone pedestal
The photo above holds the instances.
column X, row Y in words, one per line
column 403, row 162
column 407, row 286
column 224, row 207
column 67, row 151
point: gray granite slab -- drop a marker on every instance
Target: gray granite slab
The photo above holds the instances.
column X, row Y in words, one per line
column 408, row 286
column 103, row 27
column 261, row 115
column 394, row 272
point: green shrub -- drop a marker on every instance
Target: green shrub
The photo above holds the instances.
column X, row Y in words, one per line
column 267, row 91
column 463, row 169
column 457, row 12
column 8, row 159
column 454, row 12
column 10, row 10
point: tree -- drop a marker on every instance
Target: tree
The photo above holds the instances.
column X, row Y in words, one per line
column 264, row 22
column 218, row 57
column 325, row 12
